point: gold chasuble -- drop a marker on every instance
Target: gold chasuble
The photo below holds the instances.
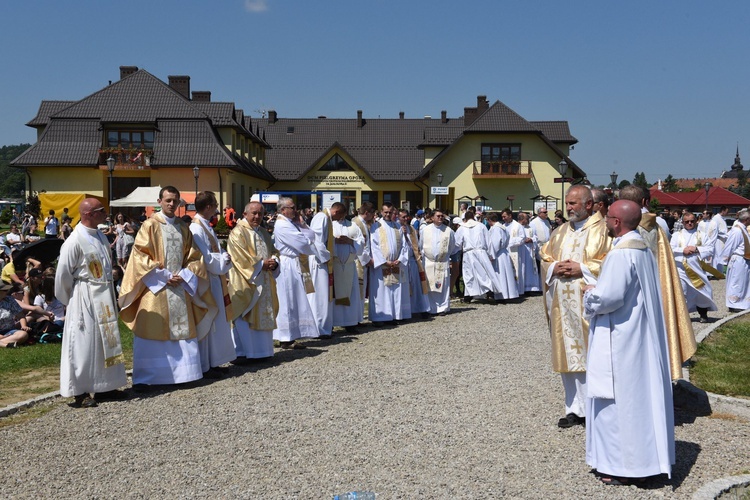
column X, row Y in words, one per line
column 171, row 313
column 253, row 296
column 564, row 296
column 680, row 336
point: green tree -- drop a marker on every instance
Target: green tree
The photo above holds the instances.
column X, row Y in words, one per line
column 12, row 181
column 670, row 185
column 623, row 183
column 640, row 180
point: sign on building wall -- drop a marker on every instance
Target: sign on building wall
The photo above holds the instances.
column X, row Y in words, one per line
column 441, row 190
column 330, row 198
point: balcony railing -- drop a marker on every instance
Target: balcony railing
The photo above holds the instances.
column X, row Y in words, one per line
column 498, row 169
column 127, row 158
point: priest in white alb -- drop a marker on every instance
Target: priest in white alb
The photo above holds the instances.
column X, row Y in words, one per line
column 629, row 419
column 437, row 243
column 690, row 253
column 294, row 240
column 418, row 287
column 527, row 252
column 349, row 244
column 321, row 271
column 216, row 348
column 479, row 276
column 501, row 262
column 165, row 298
column 389, row 281
column 516, row 237
column 364, row 219
column 252, row 286
column 91, row 359
column 736, row 257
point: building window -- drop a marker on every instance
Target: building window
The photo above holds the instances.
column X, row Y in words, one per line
column 501, row 158
column 392, row 196
column 500, row 152
column 131, row 139
column 336, row 163
column 371, row 196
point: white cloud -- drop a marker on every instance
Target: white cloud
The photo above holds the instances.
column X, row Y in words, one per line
column 256, row 5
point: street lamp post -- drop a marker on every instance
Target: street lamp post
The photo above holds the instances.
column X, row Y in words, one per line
column 111, row 167
column 196, row 174
column 562, row 167
column 440, row 196
column 613, row 178
column 707, row 187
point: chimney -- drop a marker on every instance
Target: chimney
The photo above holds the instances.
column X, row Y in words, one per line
column 202, row 95
column 180, row 83
column 400, row 115
column 271, row 116
column 482, row 104
column 127, row 70
column 360, row 121
column 470, row 114
column 444, row 116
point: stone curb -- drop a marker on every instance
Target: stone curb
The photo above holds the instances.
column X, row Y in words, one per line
column 25, row 405
column 719, row 403
column 723, row 404
column 717, row 489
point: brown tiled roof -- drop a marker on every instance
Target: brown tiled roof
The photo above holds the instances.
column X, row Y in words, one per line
column 387, row 149
column 443, row 135
column 556, row 131
column 65, row 142
column 221, row 113
column 183, row 129
column 138, row 98
column 500, row 118
column 187, row 142
column 47, row 109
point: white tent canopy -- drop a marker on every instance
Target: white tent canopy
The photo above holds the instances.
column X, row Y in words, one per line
column 141, row 197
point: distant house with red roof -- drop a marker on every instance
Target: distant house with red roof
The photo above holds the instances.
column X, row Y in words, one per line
column 692, row 192
column 695, row 201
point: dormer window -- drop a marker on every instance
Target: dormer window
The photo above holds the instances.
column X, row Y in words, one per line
column 336, row 163
column 130, row 139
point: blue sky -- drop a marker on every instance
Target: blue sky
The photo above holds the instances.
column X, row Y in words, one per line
column 655, row 86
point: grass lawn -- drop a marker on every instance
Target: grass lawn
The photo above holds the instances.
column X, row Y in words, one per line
column 722, row 362
column 30, row 371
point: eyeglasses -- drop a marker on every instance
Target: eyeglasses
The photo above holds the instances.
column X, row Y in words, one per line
column 100, row 209
column 290, row 208
column 688, row 222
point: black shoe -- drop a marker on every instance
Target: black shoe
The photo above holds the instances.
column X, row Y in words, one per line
column 213, row 374
column 351, row 329
column 326, row 336
column 425, row 315
column 444, row 313
column 571, row 420
column 111, row 396
column 84, row 401
column 734, row 310
column 377, row 324
column 467, row 299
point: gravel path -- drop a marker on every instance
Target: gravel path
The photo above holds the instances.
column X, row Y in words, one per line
column 464, row 406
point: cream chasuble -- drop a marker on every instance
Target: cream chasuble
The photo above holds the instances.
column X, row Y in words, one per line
column 169, row 313
column 437, row 249
column 252, row 290
column 563, row 296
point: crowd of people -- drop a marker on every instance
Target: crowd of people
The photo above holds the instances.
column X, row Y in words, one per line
column 616, row 286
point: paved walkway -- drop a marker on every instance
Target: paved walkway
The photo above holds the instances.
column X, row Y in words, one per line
column 463, row 406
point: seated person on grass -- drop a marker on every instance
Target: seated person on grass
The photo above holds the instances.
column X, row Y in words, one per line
column 11, row 314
